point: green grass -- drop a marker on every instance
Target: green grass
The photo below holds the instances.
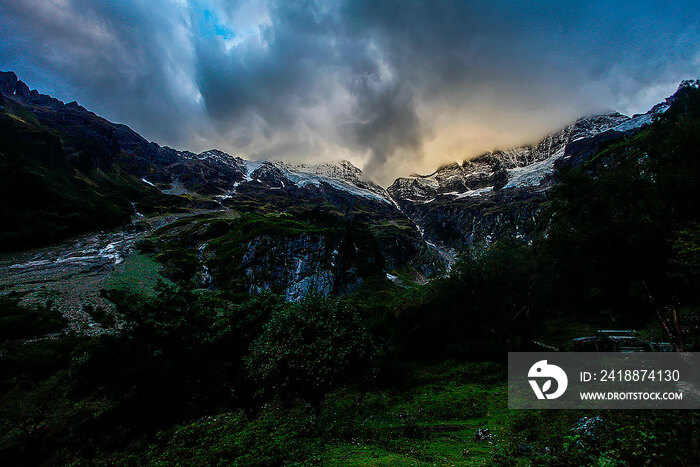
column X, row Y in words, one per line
column 431, row 420
column 138, row 273
column 618, row 146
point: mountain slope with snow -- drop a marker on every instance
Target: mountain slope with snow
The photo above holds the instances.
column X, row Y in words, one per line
column 339, row 175
column 498, row 194
column 525, row 166
column 511, row 168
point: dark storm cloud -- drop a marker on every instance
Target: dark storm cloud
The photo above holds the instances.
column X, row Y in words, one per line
column 124, row 59
column 305, row 57
column 398, row 86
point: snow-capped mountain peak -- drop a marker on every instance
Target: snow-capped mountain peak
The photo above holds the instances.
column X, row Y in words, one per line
column 217, row 156
column 525, row 166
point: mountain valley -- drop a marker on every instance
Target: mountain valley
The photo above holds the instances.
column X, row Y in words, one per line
column 161, row 307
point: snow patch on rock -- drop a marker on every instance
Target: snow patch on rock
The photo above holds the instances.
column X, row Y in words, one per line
column 533, row 174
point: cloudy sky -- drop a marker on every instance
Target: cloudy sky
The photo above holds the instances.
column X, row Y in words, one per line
column 396, row 87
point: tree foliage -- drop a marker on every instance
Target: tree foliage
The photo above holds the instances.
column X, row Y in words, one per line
column 308, row 347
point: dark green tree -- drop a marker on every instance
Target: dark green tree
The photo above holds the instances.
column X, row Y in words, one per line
column 308, row 347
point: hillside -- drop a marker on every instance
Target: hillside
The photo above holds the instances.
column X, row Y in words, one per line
column 236, row 312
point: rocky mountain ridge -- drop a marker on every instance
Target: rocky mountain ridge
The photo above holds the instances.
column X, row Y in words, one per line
column 215, row 172
column 524, row 166
column 418, row 225
column 210, row 173
column 499, row 194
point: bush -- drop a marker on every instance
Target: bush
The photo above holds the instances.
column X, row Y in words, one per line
column 17, row 322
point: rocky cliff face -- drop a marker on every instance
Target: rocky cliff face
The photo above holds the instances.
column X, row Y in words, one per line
column 300, row 265
column 312, row 251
